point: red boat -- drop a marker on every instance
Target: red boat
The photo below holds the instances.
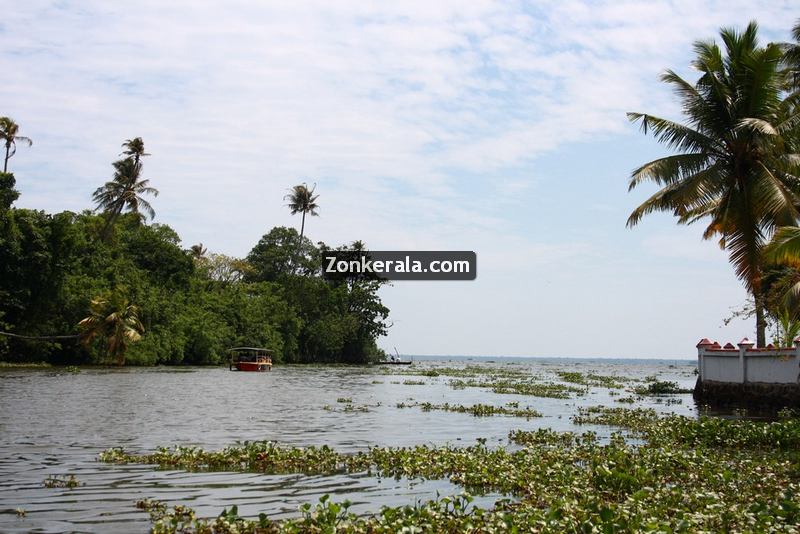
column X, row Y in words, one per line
column 250, row 359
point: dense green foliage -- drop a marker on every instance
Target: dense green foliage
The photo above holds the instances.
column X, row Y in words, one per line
column 192, row 307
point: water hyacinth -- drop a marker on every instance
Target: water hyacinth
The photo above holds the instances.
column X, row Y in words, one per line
column 688, row 475
column 477, row 410
column 660, row 388
column 61, row 482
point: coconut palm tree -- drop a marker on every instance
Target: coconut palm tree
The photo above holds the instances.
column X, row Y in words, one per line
column 302, row 200
column 115, row 320
column 198, row 251
column 736, row 166
column 125, row 192
column 134, row 148
column 10, row 137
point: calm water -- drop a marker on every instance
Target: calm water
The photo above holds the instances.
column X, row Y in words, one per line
column 54, row 424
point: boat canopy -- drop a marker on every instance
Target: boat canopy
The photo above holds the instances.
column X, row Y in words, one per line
column 248, row 349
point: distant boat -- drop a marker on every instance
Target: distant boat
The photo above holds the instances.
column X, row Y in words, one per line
column 394, row 361
column 250, row 359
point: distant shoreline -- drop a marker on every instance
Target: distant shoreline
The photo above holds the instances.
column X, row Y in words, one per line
column 422, row 357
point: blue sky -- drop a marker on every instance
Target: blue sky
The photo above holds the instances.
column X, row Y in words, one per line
column 497, row 127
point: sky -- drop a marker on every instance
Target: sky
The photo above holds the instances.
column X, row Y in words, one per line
column 497, row 127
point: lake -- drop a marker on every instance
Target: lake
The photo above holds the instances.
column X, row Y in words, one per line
column 54, row 423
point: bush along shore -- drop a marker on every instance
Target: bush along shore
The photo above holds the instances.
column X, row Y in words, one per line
column 104, row 286
column 679, row 474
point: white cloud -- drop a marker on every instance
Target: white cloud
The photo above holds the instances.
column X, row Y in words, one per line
column 421, row 121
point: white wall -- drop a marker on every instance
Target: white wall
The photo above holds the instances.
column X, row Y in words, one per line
column 722, row 368
column 771, row 367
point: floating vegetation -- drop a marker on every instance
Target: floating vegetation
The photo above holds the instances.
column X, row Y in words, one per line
column 349, row 407
column 469, row 371
column 660, row 388
column 548, row 436
column 61, row 482
column 668, row 400
column 413, row 382
column 24, row 365
column 632, row 418
column 679, row 430
column 72, row 369
column 534, row 389
column 477, row 410
column 590, row 379
column 344, row 399
column 151, row 505
column 689, row 475
column 626, row 400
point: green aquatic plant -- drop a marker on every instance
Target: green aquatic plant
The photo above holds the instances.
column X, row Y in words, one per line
column 477, row 410
column 61, row 482
column 590, row 379
column 561, row 482
column 660, row 388
column 678, row 430
column 512, row 387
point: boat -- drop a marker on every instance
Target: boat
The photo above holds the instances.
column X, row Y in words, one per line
column 250, row 359
column 393, row 360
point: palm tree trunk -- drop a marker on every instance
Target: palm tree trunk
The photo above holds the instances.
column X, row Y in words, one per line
column 5, row 164
column 112, row 218
column 302, row 227
column 761, row 324
column 299, row 242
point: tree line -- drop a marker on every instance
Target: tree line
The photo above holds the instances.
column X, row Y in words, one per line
column 109, row 286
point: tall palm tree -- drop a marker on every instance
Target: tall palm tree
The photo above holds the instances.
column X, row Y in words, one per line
column 302, row 200
column 125, row 191
column 736, row 167
column 115, row 320
column 10, row 137
column 198, row 251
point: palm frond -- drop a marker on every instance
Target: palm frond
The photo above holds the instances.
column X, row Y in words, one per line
column 785, row 245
